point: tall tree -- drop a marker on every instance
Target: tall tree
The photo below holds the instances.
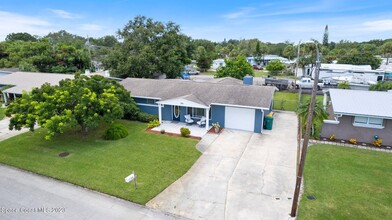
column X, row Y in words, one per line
column 236, row 67
column 289, row 51
column 275, row 67
column 386, row 49
column 83, row 101
column 203, row 60
column 325, row 37
column 20, row 36
column 319, row 113
column 258, row 55
column 149, row 47
column 357, row 58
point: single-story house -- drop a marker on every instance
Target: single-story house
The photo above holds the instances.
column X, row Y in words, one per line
column 228, row 101
column 26, row 81
column 360, row 115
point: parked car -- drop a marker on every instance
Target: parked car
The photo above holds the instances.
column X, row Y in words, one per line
column 307, row 83
column 192, row 71
column 257, row 67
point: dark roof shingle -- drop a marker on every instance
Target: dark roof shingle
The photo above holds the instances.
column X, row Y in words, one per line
column 208, row 93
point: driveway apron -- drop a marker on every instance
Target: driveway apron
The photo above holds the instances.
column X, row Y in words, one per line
column 242, row 175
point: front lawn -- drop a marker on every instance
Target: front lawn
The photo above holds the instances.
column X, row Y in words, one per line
column 158, row 160
column 2, row 113
column 348, row 183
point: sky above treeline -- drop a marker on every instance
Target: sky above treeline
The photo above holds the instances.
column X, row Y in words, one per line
column 269, row 21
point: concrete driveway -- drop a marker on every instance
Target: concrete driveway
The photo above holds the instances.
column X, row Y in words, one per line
column 242, row 175
column 26, row 195
column 5, row 133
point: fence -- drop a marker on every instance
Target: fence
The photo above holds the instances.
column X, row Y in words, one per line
column 286, row 105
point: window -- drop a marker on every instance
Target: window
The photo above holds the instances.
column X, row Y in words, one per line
column 375, row 121
column 361, row 120
column 368, row 122
column 150, row 101
column 197, row 112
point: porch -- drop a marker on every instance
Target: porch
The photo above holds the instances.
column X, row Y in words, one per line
column 175, row 126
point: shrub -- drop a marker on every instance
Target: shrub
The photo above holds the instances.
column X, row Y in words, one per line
column 115, row 132
column 344, row 85
column 162, row 131
column 332, row 137
column 377, row 142
column 153, row 124
column 352, row 141
column 185, row 132
column 145, row 117
column 216, row 125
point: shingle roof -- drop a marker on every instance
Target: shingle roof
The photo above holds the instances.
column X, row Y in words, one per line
column 358, row 102
column 26, row 81
column 227, row 81
column 244, row 95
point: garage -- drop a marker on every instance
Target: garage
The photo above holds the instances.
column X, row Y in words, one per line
column 240, row 118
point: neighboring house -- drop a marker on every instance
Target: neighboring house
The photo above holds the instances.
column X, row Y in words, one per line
column 359, row 114
column 217, row 63
column 267, row 58
column 26, row 81
column 227, row 101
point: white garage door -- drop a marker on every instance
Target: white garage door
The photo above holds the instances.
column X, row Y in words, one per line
column 240, row 118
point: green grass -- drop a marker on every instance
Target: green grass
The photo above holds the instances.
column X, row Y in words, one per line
column 101, row 165
column 2, row 113
column 348, row 184
column 288, row 101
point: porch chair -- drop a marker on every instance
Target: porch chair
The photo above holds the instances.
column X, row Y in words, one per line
column 188, row 119
column 202, row 122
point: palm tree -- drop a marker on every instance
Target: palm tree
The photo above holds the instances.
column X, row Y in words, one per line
column 319, row 113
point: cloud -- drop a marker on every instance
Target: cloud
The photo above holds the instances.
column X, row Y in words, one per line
column 64, row 14
column 91, row 27
column 13, row 23
column 238, row 14
column 378, row 25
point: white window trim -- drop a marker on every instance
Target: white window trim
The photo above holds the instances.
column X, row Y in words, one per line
column 367, row 124
column 150, row 105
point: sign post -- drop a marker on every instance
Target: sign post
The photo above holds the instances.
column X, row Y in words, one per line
column 131, row 177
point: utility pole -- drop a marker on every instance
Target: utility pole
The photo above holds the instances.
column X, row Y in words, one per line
column 296, row 66
column 306, row 138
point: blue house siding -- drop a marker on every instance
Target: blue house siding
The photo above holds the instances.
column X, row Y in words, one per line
column 167, row 113
column 218, row 115
column 149, row 109
column 259, row 116
column 144, row 107
column 182, row 113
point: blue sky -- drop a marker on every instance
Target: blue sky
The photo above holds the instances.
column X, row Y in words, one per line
column 269, row 21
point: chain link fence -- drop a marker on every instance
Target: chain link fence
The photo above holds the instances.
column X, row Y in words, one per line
column 285, row 105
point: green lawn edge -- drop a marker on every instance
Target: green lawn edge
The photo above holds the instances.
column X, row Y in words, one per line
column 348, row 183
column 102, row 165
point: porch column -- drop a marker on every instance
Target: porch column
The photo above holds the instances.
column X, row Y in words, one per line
column 14, row 97
column 160, row 113
column 325, row 99
column 5, row 98
column 207, row 118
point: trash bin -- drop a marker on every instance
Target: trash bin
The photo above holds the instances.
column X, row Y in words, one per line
column 268, row 121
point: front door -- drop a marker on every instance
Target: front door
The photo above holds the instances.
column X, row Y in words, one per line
column 176, row 113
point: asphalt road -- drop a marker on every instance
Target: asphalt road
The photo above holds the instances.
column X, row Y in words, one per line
column 25, row 195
